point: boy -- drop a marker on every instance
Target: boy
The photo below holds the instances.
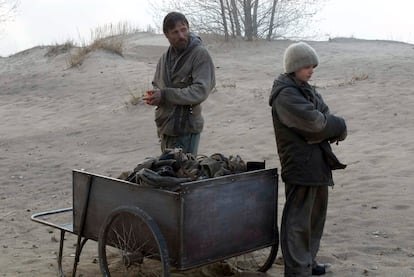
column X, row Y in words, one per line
column 304, row 129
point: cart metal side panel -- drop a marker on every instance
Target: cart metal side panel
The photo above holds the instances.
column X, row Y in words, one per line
column 228, row 216
column 106, row 194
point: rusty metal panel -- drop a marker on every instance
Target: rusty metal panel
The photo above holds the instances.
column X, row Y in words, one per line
column 106, row 194
column 228, row 216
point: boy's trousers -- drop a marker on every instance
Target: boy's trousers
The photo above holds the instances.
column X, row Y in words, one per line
column 303, row 221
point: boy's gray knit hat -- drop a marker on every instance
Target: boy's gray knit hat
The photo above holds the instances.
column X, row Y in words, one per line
column 299, row 55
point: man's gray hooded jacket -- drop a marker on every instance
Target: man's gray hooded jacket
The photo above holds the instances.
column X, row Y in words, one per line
column 185, row 80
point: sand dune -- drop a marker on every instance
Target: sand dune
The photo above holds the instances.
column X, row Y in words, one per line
column 55, row 119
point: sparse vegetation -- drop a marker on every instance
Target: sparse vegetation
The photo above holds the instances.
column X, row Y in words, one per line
column 355, row 78
column 360, row 77
column 58, row 49
column 110, row 37
column 229, row 84
column 136, row 95
column 136, row 98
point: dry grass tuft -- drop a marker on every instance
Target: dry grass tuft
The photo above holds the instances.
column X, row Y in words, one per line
column 359, row 77
column 58, row 49
column 136, row 92
column 136, row 98
column 229, row 84
column 356, row 77
column 79, row 56
column 347, row 81
column 110, row 37
column 137, row 95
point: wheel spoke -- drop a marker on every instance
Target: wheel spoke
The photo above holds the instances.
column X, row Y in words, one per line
column 129, row 244
column 259, row 260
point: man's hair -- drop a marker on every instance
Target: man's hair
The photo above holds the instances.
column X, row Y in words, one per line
column 171, row 19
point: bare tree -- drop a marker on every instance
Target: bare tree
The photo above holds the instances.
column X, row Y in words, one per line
column 292, row 17
column 272, row 20
column 269, row 19
column 248, row 20
column 254, row 21
column 223, row 16
column 235, row 12
column 232, row 23
column 204, row 16
column 7, row 9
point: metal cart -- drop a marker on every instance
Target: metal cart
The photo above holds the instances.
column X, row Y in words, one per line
column 231, row 218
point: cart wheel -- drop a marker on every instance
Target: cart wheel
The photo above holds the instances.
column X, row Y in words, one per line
column 259, row 260
column 131, row 244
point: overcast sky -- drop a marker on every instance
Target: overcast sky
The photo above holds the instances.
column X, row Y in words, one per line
column 44, row 22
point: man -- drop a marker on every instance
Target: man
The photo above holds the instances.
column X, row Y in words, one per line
column 304, row 129
column 183, row 80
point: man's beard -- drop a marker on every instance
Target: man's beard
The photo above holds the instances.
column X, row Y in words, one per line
column 181, row 44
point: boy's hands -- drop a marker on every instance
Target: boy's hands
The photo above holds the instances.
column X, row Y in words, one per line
column 340, row 138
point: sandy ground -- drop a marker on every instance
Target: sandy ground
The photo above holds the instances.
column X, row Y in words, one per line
column 55, row 119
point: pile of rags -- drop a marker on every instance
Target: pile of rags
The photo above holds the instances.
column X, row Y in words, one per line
column 174, row 167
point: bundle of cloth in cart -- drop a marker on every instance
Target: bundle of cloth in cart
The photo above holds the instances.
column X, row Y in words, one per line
column 174, row 167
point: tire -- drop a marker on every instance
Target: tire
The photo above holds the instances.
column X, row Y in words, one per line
column 260, row 260
column 131, row 244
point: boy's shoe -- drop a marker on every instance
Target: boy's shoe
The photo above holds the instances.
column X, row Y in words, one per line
column 321, row 269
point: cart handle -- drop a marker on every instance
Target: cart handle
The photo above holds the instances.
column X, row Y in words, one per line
column 37, row 218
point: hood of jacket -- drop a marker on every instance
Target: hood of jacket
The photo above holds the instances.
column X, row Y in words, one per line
column 193, row 41
column 283, row 81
